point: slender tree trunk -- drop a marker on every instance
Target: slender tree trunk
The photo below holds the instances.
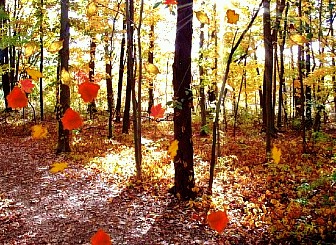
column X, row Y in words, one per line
column 64, row 96
column 202, row 85
column 184, row 160
column 121, row 74
column 92, row 105
column 41, row 60
column 151, row 61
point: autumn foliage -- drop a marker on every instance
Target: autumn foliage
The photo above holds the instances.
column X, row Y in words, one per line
column 157, row 111
column 71, row 119
column 100, row 238
column 88, row 91
column 218, row 221
column 17, row 98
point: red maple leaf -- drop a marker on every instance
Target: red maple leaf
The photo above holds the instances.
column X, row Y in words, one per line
column 101, row 238
column 71, row 119
column 17, row 98
column 157, row 111
column 88, row 91
column 27, row 85
column 218, row 221
column 170, row 2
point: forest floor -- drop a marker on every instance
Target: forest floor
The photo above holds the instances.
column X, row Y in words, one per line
column 290, row 202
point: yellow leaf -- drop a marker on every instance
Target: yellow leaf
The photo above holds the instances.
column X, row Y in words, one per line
column 276, row 154
column 35, row 74
column 299, row 39
column 31, row 48
column 91, row 9
column 202, row 17
column 232, row 16
column 65, row 77
column 55, row 46
column 152, row 69
column 172, row 150
column 39, row 132
column 58, row 167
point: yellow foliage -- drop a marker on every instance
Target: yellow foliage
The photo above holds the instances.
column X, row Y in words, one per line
column 31, row 48
column 172, row 151
column 39, row 132
column 202, row 17
column 58, row 167
column 55, row 46
column 299, row 39
column 35, row 74
column 276, row 154
column 152, row 69
column 65, row 77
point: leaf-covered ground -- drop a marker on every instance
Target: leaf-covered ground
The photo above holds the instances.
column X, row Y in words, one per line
column 291, row 202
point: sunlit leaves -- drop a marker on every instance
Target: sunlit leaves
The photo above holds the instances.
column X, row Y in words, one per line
column 55, row 46
column 276, row 154
column 172, row 150
column 66, row 77
column 101, row 238
column 88, row 91
column 58, row 167
column 232, row 16
column 152, row 69
column 30, row 48
column 26, row 85
column 17, row 98
column 218, row 221
column 91, row 9
column 34, row 74
column 157, row 111
column 299, row 39
column 71, row 119
column 202, row 17
column 39, row 132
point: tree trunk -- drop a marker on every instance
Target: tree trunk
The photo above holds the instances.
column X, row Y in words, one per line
column 151, row 61
column 64, row 96
column 183, row 161
column 121, row 74
column 267, row 84
column 41, row 60
column 92, row 105
column 203, row 131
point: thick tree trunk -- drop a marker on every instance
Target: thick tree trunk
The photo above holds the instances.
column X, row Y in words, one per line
column 183, row 161
column 121, row 74
column 64, row 101
column 267, row 84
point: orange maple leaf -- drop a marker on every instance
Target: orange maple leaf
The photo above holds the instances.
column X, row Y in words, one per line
column 101, row 238
column 170, row 2
column 232, row 16
column 27, row 85
column 218, row 221
column 17, row 98
column 88, row 91
column 157, row 111
column 71, row 119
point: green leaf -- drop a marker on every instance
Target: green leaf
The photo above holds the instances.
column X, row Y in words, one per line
column 156, row 5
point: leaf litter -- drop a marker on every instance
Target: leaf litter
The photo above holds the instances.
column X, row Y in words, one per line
column 289, row 201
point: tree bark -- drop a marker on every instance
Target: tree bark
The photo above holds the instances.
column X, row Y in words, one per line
column 203, row 131
column 151, row 61
column 64, row 96
column 183, row 161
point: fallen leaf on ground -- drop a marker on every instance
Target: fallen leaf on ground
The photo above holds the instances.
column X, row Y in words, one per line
column 218, row 221
column 100, row 238
column 58, row 167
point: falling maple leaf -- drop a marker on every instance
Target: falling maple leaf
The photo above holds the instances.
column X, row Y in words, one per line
column 101, row 238
column 31, row 48
column 276, row 154
column 55, row 46
column 35, row 74
column 88, row 91
column 218, row 221
column 202, row 17
column 39, row 132
column 91, row 9
column 152, row 69
column 26, row 85
column 168, row 2
column 17, row 98
column 232, row 16
column 65, row 77
column 58, row 167
column 157, row 111
column 172, row 150
column 71, row 119
column 299, row 39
